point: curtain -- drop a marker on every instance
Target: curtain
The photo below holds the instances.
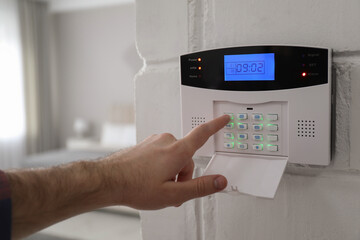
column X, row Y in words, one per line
column 40, row 86
column 12, row 112
column 27, row 89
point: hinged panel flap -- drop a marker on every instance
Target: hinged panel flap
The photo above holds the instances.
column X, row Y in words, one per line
column 248, row 174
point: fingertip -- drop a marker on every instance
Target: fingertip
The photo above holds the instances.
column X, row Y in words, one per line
column 220, row 182
column 225, row 119
column 227, row 116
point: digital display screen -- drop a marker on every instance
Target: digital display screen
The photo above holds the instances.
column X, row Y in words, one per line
column 250, row 67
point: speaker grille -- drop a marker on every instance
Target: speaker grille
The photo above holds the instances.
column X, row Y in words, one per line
column 196, row 121
column 306, row 128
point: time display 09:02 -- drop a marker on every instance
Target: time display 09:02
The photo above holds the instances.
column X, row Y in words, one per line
column 249, row 67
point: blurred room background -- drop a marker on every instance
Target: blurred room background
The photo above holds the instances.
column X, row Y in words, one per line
column 67, row 94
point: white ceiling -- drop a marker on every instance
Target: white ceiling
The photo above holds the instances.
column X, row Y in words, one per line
column 70, row 5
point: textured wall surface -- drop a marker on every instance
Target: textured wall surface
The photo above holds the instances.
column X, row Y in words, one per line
column 311, row 203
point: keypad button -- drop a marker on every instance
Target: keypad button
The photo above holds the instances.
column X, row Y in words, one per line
column 242, row 116
column 272, row 148
column 231, row 115
column 242, row 126
column 258, row 147
column 228, row 145
column 242, row 136
column 272, row 117
column 257, row 117
column 272, row 138
column 242, row 146
column 272, row 127
column 258, row 137
column 229, row 126
column 228, row 135
column 257, row 127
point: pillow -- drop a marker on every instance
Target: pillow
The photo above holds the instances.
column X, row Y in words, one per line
column 118, row 135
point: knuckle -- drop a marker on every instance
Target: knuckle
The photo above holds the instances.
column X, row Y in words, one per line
column 149, row 137
column 167, row 136
column 200, row 187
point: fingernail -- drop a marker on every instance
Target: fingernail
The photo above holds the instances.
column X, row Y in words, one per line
column 220, row 182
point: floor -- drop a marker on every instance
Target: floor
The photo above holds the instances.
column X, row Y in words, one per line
column 93, row 225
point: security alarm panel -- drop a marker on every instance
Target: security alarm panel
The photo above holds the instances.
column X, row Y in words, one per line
column 278, row 98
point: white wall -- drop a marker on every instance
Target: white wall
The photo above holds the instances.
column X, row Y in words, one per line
column 97, row 60
column 311, row 203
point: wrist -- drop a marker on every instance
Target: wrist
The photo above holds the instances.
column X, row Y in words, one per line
column 93, row 180
column 113, row 180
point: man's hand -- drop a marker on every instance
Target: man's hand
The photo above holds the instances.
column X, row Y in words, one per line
column 154, row 174
column 158, row 172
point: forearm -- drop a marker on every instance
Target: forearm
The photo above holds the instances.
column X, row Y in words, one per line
column 45, row 196
column 142, row 177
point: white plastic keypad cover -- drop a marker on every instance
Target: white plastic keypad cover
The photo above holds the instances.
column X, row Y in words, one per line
column 265, row 137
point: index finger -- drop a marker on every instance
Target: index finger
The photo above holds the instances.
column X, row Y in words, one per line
column 199, row 135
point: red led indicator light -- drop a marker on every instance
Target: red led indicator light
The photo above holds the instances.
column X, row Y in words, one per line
column 304, row 74
column 199, row 68
column 199, row 59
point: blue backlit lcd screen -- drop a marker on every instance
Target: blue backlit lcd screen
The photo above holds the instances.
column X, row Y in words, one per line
column 250, row 67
